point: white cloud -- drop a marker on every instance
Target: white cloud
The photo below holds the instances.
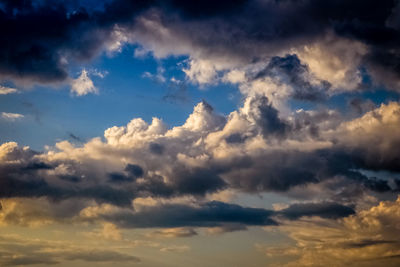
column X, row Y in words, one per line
column 83, row 85
column 11, row 116
column 336, row 60
column 7, row 90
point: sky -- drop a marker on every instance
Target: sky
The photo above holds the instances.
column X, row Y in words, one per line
column 199, row 133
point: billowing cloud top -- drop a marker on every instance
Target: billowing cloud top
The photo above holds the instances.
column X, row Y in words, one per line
column 331, row 169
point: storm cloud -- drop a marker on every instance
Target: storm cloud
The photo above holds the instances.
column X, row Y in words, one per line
column 247, row 30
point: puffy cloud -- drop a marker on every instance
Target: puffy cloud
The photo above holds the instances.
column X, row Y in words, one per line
column 374, row 136
column 335, row 60
column 83, row 85
column 254, row 149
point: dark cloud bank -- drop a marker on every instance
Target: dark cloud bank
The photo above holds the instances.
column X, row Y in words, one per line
column 39, row 38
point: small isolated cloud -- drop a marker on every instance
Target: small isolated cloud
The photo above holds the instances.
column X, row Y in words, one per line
column 157, row 77
column 7, row 90
column 83, row 85
column 11, row 116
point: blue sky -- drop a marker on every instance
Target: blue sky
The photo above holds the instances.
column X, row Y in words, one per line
column 124, row 93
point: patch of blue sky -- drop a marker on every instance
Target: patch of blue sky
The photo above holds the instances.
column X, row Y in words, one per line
column 125, row 93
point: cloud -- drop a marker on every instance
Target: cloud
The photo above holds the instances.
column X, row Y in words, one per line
column 340, row 64
column 179, row 249
column 17, row 251
column 174, row 232
column 254, row 149
column 83, row 85
column 216, row 37
column 11, row 116
column 7, row 90
column 366, row 238
column 374, row 136
column 289, row 70
column 312, row 155
column 324, row 210
column 210, row 214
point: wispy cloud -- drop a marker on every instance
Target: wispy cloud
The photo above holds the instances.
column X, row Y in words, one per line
column 7, row 90
column 11, row 116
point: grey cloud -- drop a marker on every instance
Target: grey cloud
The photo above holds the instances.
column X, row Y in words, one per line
column 38, row 36
column 368, row 242
column 267, row 118
column 21, row 252
column 210, row 214
column 289, row 70
column 156, row 148
column 324, row 210
column 226, row 217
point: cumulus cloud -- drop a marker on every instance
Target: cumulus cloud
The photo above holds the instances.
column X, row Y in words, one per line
column 254, row 149
column 83, row 85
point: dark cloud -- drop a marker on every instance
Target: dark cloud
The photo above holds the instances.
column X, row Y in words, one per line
column 210, row 214
column 134, row 170
column 368, row 242
column 235, row 138
column 117, row 177
column 37, row 37
column 32, row 179
column 277, row 171
column 310, row 122
column 280, row 171
column 206, row 8
column 70, row 178
column 228, row 217
column 197, row 181
column 324, row 210
column 29, row 181
column 361, row 106
column 132, row 173
column 37, row 166
column 267, row 118
column 156, row 148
